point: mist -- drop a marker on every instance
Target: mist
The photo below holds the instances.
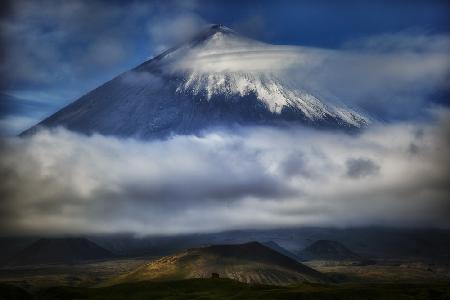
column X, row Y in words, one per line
column 60, row 182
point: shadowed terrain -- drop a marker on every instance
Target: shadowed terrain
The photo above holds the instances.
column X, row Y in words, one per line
column 59, row 251
column 230, row 289
column 251, row 263
column 162, row 261
column 327, row 250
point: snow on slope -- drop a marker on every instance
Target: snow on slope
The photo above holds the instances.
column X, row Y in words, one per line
column 224, row 63
column 215, row 79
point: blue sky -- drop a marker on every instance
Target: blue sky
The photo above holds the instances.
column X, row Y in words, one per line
column 54, row 52
column 329, row 23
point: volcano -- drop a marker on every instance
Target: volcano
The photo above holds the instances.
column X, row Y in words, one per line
column 250, row 262
column 216, row 79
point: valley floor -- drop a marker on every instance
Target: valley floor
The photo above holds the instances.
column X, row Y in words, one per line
column 228, row 289
column 96, row 273
column 84, row 274
column 385, row 272
column 383, row 280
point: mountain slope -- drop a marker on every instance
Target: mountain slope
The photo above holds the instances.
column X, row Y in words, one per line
column 218, row 78
column 59, row 251
column 327, row 250
column 251, row 262
column 274, row 246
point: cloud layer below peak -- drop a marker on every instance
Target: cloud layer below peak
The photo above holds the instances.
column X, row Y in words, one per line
column 60, row 182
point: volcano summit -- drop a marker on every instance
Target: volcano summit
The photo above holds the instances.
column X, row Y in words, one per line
column 216, row 79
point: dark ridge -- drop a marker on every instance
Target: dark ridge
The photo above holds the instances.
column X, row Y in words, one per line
column 59, row 251
column 327, row 250
column 274, row 246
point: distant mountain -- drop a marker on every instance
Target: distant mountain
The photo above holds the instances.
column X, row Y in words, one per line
column 274, row 246
column 250, row 262
column 219, row 78
column 59, row 251
column 369, row 242
column 327, row 250
column 10, row 246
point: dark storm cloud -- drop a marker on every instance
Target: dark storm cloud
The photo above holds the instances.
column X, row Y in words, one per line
column 61, row 182
column 296, row 164
column 361, row 167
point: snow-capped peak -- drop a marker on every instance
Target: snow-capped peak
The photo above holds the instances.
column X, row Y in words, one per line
column 221, row 28
column 221, row 63
column 214, row 39
column 217, row 78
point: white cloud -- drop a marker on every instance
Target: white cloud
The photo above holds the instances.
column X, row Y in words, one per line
column 250, row 58
column 393, row 76
column 169, row 31
column 389, row 76
column 61, row 182
column 14, row 124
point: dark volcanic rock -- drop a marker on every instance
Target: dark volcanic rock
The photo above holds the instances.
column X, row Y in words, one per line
column 327, row 250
